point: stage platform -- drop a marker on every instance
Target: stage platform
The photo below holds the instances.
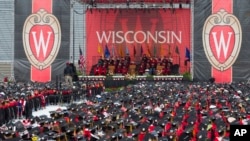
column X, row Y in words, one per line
column 119, row 81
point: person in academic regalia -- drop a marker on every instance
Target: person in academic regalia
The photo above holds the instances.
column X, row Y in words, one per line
column 119, row 68
column 112, row 61
column 100, row 61
column 144, row 59
column 103, row 70
column 127, row 61
column 124, row 70
column 141, row 70
column 2, row 113
column 86, row 131
column 97, row 70
column 116, row 62
column 153, row 64
column 164, row 60
column 36, row 100
column 166, row 70
column 28, row 109
column 42, row 100
column 13, row 106
column 142, row 134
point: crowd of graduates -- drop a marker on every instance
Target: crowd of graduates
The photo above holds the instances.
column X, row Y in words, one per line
column 159, row 111
column 19, row 100
column 147, row 64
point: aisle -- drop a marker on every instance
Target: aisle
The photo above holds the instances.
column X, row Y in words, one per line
column 47, row 110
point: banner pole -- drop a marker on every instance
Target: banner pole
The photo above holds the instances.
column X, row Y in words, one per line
column 73, row 11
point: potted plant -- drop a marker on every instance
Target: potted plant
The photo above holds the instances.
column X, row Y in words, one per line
column 187, row 76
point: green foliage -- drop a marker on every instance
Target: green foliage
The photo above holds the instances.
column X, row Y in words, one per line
column 187, row 76
column 113, row 89
column 79, row 73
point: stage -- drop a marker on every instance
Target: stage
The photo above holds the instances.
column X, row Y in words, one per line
column 119, row 81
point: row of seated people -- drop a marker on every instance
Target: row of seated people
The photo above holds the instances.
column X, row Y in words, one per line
column 124, row 65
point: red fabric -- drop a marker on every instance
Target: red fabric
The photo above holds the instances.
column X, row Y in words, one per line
column 161, row 114
column 168, row 126
column 38, row 75
column 95, row 118
column 151, row 128
column 179, row 131
column 5, row 79
column 86, row 133
column 100, row 34
column 248, row 117
column 141, row 136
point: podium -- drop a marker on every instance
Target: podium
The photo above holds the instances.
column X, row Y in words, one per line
column 132, row 69
column 111, row 69
column 159, row 70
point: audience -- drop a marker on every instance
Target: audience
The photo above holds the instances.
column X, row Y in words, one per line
column 145, row 111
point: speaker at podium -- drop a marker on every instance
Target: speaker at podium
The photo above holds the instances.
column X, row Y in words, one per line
column 159, row 69
column 132, row 68
column 111, row 69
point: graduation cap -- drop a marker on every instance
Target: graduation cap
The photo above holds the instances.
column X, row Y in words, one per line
column 70, row 130
column 149, row 136
column 202, row 135
column 80, row 138
column 117, row 136
column 8, row 133
column 184, row 137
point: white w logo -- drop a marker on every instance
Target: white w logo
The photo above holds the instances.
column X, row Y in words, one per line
column 41, row 42
column 222, row 45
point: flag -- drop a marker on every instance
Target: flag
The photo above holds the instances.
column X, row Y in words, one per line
column 81, row 61
column 141, row 50
column 106, row 53
column 121, row 52
column 177, row 50
column 113, row 50
column 134, row 51
column 149, row 52
column 169, row 50
column 161, row 50
column 155, row 51
column 127, row 51
column 99, row 49
column 187, row 56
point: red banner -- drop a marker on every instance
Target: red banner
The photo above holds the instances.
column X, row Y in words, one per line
column 41, row 39
column 158, row 31
column 224, row 76
column 222, row 40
